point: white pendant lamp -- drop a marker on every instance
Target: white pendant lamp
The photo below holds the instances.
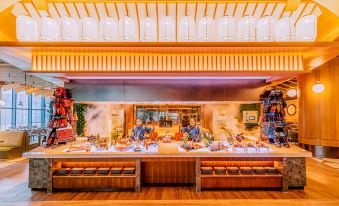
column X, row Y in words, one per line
column 27, row 28
column 265, row 29
column 246, row 28
column 318, row 87
column 292, row 92
column 89, row 28
column 49, row 29
column 108, row 29
column 284, row 30
column 206, row 29
column 306, row 28
column 148, row 31
column 69, row 29
column 186, row 29
column 128, row 29
column 226, row 29
column 167, row 29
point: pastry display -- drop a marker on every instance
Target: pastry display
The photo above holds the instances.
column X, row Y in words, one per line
column 116, row 171
column 272, row 170
column 103, row 171
column 124, row 144
column 90, row 171
column 192, row 145
column 101, row 142
column 77, row 147
column 167, row 138
column 246, row 170
column 63, row 172
column 216, row 146
column 233, row 170
column 220, row 170
column 76, row 171
column 259, row 170
column 129, row 170
column 240, row 137
column 206, row 170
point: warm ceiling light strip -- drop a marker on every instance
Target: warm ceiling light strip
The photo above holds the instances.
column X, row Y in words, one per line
column 170, row 62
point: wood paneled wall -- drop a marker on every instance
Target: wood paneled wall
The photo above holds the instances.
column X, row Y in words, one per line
column 319, row 113
column 118, row 62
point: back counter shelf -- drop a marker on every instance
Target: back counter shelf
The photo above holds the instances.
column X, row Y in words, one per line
column 168, row 166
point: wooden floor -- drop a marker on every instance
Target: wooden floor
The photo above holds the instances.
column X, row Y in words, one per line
column 322, row 189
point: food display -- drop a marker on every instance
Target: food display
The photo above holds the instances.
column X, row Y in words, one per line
column 246, row 170
column 103, row 171
column 129, row 170
column 233, row 170
column 206, row 170
column 190, row 145
column 63, row 172
column 167, row 138
column 124, row 144
column 220, row 170
column 79, row 147
column 90, row 171
column 217, row 146
column 259, row 170
column 76, row 171
column 116, row 171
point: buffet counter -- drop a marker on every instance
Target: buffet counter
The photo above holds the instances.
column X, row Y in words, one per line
column 167, row 165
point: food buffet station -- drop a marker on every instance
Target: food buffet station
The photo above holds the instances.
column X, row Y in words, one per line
column 206, row 160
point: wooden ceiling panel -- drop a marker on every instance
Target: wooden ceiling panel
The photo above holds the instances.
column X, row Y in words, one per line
column 121, row 9
column 295, row 15
column 230, row 10
column 200, row 11
column 278, row 11
column 210, row 11
column 220, row 9
column 81, row 9
column 240, row 9
column 31, row 10
column 72, row 10
column 111, row 10
column 269, row 9
column 259, row 11
column 19, row 9
column 52, row 10
column 250, row 9
column 101, row 10
column 61, row 9
column 92, row 11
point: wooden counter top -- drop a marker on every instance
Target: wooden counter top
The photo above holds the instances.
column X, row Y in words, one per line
column 165, row 150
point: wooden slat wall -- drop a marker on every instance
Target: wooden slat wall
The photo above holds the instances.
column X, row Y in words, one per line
column 164, row 63
column 319, row 113
column 167, row 170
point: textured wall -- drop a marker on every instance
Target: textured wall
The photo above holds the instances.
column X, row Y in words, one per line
column 166, row 90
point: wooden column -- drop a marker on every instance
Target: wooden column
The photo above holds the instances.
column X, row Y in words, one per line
column 197, row 175
column 137, row 174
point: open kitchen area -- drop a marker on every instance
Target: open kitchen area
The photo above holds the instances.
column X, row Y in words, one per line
column 169, row 102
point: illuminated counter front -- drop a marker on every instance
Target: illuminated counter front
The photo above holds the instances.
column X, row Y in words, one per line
column 170, row 166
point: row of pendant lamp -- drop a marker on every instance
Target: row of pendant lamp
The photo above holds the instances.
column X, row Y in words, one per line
column 227, row 28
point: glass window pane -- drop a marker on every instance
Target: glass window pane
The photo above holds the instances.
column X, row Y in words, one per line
column 22, row 100
column 21, row 118
column 6, row 118
column 36, row 102
column 36, row 118
column 7, row 97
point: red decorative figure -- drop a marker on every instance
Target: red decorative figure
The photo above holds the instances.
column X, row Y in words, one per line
column 61, row 119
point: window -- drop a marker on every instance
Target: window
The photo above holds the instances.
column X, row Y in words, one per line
column 36, row 111
column 22, row 110
column 6, row 109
